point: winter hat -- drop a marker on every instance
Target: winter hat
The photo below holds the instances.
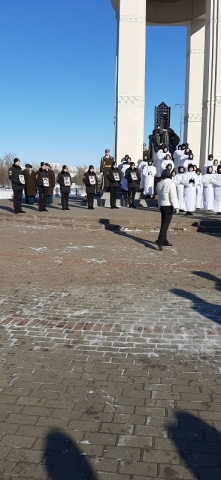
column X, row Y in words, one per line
column 64, row 167
column 42, row 164
column 90, row 167
column 16, row 160
column 29, row 166
column 165, row 174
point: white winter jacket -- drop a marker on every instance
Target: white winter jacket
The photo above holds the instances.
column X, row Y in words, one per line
column 166, row 192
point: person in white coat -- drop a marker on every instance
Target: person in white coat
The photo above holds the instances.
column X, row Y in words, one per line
column 177, row 157
column 209, row 163
column 189, row 190
column 167, row 159
column 208, row 193
column 215, row 165
column 199, row 189
column 167, row 201
column 180, row 187
column 189, row 160
column 149, row 172
column 216, row 180
column 141, row 167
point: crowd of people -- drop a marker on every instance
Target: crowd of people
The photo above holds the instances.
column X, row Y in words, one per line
column 194, row 189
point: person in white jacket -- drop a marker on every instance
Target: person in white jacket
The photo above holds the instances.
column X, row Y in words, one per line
column 216, row 180
column 149, row 173
column 167, row 201
column 166, row 160
column 208, row 192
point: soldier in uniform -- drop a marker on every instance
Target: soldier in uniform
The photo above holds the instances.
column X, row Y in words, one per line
column 105, row 165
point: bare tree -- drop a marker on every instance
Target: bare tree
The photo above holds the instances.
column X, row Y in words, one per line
column 78, row 178
column 5, row 163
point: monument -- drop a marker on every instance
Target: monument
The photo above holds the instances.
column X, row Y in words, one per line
column 162, row 133
column 202, row 124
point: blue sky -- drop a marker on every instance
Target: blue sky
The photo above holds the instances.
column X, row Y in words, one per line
column 58, row 78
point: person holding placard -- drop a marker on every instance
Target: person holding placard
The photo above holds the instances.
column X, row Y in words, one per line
column 43, row 182
column 64, row 180
column 90, row 180
column 18, row 182
column 132, row 175
column 113, row 175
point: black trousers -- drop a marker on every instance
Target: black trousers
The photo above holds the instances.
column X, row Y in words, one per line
column 166, row 217
column 131, row 195
column 90, row 198
column 64, row 200
column 113, row 196
column 17, row 200
column 42, row 198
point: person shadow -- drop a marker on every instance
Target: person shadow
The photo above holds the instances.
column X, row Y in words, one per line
column 201, row 306
column 117, row 230
column 63, row 460
column 199, row 446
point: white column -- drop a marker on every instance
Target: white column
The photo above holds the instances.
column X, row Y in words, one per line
column 130, row 81
column 194, row 85
column 211, row 118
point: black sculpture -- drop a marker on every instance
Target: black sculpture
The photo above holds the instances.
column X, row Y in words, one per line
column 163, row 135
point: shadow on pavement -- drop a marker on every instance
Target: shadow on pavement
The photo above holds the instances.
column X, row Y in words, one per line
column 63, row 460
column 117, row 229
column 199, row 445
column 207, row 309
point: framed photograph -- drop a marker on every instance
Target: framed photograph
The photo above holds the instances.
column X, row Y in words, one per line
column 116, row 177
column 92, row 180
column 67, row 181
column 22, row 179
column 133, row 176
column 45, row 182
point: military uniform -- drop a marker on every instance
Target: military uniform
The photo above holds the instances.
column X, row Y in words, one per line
column 105, row 165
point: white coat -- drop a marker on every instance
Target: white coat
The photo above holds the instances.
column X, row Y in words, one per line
column 217, row 191
column 208, row 193
column 199, row 191
column 166, row 193
column 158, row 157
column 123, row 182
column 141, row 167
column 180, row 190
column 177, row 157
column 189, row 192
column 165, row 163
column 209, row 163
column 187, row 162
column 149, row 173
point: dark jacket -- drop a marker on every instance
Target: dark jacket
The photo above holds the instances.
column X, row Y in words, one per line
column 89, row 182
column 133, row 183
column 61, row 180
column 14, row 175
column 51, row 182
column 112, row 179
column 40, row 176
column 30, row 183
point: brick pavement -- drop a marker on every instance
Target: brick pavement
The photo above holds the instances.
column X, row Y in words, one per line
column 110, row 353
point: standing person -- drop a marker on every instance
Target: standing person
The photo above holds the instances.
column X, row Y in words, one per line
column 132, row 175
column 215, row 165
column 51, row 184
column 167, row 201
column 209, row 163
column 43, row 183
column 180, row 188
column 216, row 180
column 123, row 181
column 189, row 190
column 105, row 165
column 114, row 180
column 199, row 189
column 166, row 160
column 143, row 163
column 64, row 180
column 18, row 182
column 177, row 156
column 90, row 180
column 30, row 184
column 149, row 173
column 189, row 160
column 208, row 193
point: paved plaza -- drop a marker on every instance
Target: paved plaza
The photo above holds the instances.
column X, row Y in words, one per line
column 110, row 350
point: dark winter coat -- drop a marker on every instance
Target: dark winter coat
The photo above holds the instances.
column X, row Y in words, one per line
column 111, row 177
column 61, row 180
column 133, row 183
column 40, row 176
column 15, row 174
column 51, row 182
column 88, row 178
column 30, row 183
